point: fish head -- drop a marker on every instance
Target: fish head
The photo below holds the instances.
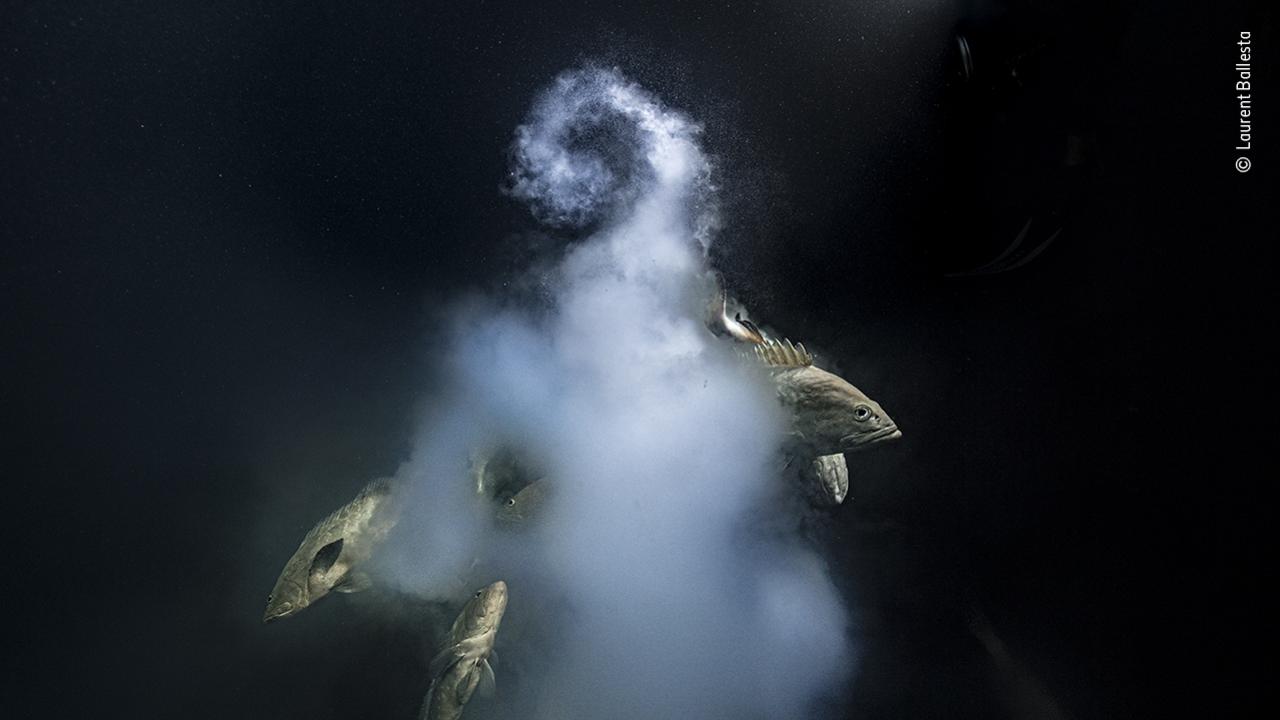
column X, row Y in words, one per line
column 484, row 610
column 286, row 598
column 308, row 576
column 509, row 510
column 523, row 505
column 830, row 415
column 864, row 422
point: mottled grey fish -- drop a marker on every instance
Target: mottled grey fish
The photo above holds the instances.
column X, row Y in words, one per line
column 329, row 555
column 829, row 476
column 463, row 665
column 522, row 506
column 829, row 415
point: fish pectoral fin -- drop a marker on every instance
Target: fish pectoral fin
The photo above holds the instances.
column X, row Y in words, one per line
column 325, row 557
column 493, row 658
column 353, row 583
column 443, row 660
column 832, row 472
column 468, row 683
column 488, row 683
column 426, row 702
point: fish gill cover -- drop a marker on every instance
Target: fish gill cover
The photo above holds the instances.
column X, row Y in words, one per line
column 650, row 587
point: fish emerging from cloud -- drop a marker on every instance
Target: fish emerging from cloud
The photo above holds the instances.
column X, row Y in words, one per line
column 829, row 414
column 463, row 666
column 331, row 553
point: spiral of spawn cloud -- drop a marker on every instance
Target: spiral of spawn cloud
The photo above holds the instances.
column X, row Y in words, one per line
column 644, row 590
column 595, row 143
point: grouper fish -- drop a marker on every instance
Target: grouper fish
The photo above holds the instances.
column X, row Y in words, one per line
column 330, row 555
column 523, row 506
column 829, row 415
column 463, row 665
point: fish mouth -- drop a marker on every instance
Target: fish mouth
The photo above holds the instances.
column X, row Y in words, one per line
column 860, row 441
column 498, row 593
column 496, row 599
column 271, row 616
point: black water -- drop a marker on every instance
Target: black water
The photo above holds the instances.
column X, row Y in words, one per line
column 225, row 232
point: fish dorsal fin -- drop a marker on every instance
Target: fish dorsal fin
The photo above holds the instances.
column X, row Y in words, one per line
column 381, row 486
column 444, row 659
column 782, row 353
column 378, row 488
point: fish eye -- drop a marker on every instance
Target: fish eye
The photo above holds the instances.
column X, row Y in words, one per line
column 511, row 501
column 478, row 592
column 862, row 412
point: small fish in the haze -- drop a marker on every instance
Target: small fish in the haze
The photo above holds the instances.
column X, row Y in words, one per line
column 524, row 505
column 720, row 322
column 479, row 469
column 829, row 415
column 464, row 663
column 828, row 476
column 328, row 558
column 500, row 470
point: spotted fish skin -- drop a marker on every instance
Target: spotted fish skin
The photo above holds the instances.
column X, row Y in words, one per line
column 462, row 667
column 331, row 553
column 829, row 414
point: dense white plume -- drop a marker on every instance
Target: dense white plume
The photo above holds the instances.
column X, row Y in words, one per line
column 648, row 588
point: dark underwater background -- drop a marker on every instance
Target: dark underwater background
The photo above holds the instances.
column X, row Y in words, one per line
column 228, row 231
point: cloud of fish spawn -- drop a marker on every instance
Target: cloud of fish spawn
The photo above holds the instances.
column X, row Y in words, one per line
column 642, row 590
